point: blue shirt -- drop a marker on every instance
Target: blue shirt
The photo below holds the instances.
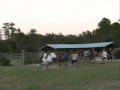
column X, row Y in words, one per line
column 66, row 56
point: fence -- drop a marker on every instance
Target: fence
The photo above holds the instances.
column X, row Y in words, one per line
column 23, row 58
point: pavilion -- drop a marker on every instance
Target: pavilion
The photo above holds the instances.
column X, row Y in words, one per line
column 76, row 46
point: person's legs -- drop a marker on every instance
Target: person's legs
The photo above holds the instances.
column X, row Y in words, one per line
column 71, row 64
column 111, row 58
column 93, row 60
column 65, row 61
column 85, row 58
column 59, row 64
column 103, row 60
column 47, row 65
column 75, row 63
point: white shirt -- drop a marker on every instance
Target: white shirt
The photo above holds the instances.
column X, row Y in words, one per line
column 44, row 57
column 51, row 56
column 104, row 54
column 86, row 53
column 74, row 56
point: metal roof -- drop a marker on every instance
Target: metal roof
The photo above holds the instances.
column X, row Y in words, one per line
column 75, row 46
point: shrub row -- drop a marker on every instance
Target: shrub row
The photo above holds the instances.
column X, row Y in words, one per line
column 4, row 61
column 117, row 55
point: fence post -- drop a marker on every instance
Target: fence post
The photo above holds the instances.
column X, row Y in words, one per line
column 23, row 55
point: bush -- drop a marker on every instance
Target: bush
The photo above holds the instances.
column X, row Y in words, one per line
column 117, row 54
column 4, row 61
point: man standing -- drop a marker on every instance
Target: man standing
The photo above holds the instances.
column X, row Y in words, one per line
column 109, row 54
column 92, row 55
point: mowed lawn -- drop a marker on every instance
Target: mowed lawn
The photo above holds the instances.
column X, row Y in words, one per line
column 85, row 77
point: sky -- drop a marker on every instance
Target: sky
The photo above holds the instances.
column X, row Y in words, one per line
column 58, row 16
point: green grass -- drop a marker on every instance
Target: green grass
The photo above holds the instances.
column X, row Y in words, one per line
column 85, row 77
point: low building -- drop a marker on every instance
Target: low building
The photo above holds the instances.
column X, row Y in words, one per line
column 77, row 46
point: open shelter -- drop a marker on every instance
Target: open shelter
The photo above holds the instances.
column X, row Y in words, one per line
column 76, row 46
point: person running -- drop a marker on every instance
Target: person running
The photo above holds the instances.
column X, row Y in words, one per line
column 74, row 58
column 109, row 56
column 65, row 58
column 60, row 59
column 50, row 58
column 86, row 55
column 44, row 59
column 104, row 56
column 92, row 55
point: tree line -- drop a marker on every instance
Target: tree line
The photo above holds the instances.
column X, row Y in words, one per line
column 16, row 40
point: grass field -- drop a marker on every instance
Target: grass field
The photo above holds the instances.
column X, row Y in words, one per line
column 85, row 77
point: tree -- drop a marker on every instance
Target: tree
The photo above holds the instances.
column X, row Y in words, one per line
column 20, row 41
column 104, row 27
column 9, row 32
column 71, row 39
column 87, row 36
column 32, row 40
column 116, row 33
column 0, row 34
column 32, row 31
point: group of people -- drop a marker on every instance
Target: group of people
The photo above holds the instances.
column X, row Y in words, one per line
column 106, row 55
column 48, row 59
column 89, row 56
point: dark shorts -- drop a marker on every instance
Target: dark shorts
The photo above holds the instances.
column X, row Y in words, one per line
column 74, row 61
column 103, row 58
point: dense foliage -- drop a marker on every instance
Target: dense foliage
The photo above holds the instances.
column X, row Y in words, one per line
column 4, row 60
column 16, row 41
column 117, row 55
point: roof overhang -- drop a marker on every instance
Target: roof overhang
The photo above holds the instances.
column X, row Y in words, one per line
column 76, row 46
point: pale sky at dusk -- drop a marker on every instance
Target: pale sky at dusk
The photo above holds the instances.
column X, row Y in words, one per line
column 58, row 16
